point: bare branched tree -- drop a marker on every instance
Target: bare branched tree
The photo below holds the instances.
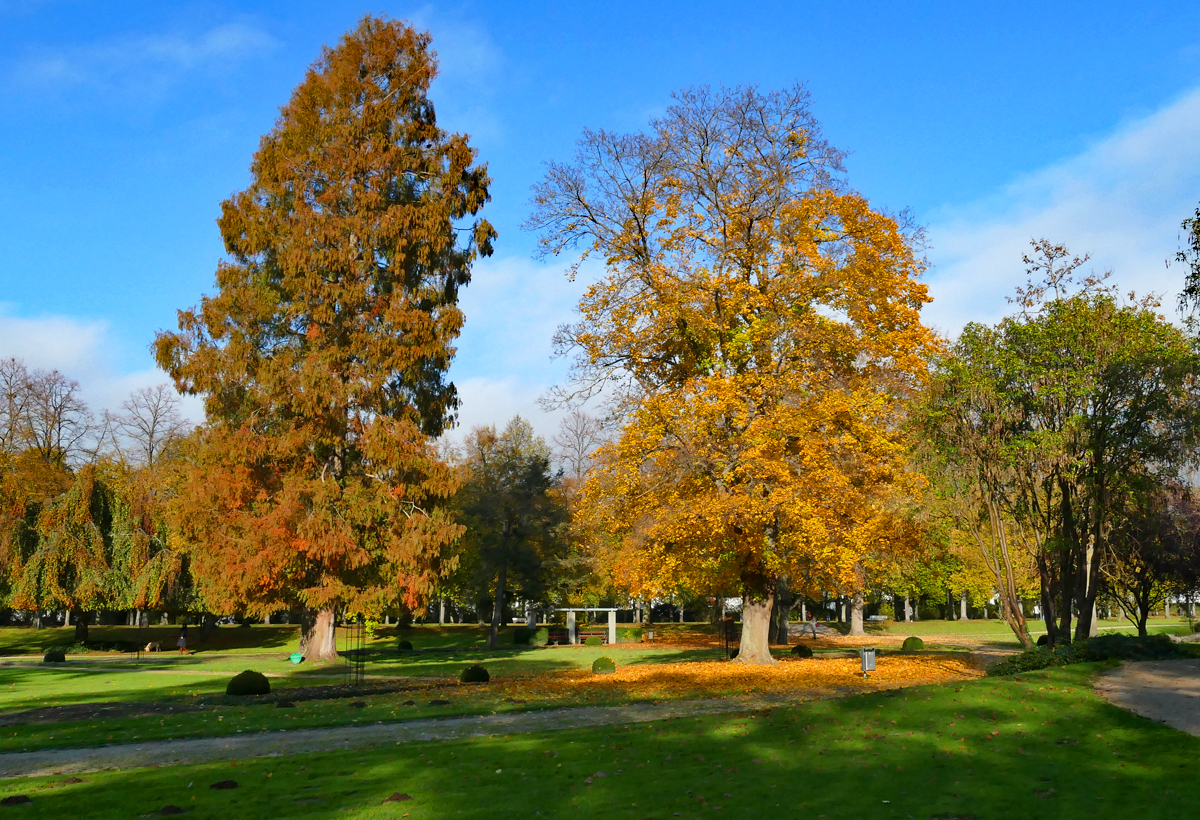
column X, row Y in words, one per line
column 58, row 422
column 579, row 434
column 150, row 423
column 14, row 400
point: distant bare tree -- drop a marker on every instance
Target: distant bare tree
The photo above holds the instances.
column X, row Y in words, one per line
column 58, row 421
column 578, row 437
column 14, row 399
column 150, row 423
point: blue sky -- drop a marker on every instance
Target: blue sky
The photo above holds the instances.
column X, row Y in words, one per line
column 125, row 124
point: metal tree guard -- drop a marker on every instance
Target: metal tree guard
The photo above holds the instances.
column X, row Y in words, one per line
column 354, row 652
column 731, row 635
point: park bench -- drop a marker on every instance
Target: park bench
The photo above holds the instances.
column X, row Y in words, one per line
column 558, row 635
column 584, row 634
column 876, row 617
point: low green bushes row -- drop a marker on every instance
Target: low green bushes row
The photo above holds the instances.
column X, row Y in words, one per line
column 1102, row 648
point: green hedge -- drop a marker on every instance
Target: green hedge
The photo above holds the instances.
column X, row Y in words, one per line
column 1103, row 648
column 525, row 636
column 405, row 646
column 801, row 651
column 248, row 683
column 593, row 641
column 55, row 656
column 629, row 634
column 912, row 644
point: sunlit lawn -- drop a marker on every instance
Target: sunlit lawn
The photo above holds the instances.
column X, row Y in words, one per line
column 1036, row 745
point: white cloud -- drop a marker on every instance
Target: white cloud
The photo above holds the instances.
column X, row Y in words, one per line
column 138, row 64
column 84, row 351
column 1122, row 200
column 505, row 356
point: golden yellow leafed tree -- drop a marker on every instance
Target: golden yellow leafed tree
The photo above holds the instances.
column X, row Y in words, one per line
column 756, row 329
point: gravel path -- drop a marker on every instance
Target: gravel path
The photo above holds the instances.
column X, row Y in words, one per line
column 298, row 741
column 1166, row 691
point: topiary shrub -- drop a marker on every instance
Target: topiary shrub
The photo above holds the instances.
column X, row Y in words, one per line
column 801, row 651
column 912, row 644
column 594, row 640
column 604, row 666
column 405, row 646
column 474, row 674
column 1043, row 640
column 1196, row 626
column 55, row 655
column 249, row 683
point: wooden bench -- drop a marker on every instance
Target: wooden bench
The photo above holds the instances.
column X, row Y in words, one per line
column 557, row 635
column 602, row 634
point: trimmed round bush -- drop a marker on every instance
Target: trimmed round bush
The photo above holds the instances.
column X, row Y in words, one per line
column 593, row 641
column 912, row 644
column 474, row 674
column 604, row 666
column 56, row 655
column 249, row 683
column 405, row 646
column 1196, row 626
column 1043, row 640
column 801, row 651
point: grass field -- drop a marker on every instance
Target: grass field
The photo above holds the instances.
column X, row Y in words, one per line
column 1036, row 745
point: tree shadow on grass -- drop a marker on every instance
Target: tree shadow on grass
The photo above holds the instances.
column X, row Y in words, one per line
column 949, row 751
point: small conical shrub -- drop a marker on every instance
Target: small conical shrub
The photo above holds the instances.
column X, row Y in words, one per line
column 474, row 674
column 249, row 683
column 912, row 644
column 604, row 666
column 801, row 651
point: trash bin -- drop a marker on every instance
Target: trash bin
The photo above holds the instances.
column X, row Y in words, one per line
column 868, row 660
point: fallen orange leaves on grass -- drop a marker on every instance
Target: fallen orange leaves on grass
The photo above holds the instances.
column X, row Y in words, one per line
column 815, row 677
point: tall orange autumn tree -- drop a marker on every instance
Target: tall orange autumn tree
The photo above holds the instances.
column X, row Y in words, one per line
column 757, row 329
column 322, row 356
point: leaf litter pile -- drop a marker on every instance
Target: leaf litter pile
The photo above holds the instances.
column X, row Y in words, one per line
column 716, row 679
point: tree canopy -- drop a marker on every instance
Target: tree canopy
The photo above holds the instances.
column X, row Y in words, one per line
column 756, row 329
column 322, row 356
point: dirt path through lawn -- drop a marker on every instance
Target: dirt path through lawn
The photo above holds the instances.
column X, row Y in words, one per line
column 1166, row 691
column 298, row 741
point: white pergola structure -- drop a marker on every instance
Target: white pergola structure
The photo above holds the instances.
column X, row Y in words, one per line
column 573, row 632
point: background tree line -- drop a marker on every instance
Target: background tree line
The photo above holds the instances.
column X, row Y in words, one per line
column 773, row 423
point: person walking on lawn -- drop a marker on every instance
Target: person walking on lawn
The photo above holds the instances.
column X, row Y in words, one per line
column 182, row 642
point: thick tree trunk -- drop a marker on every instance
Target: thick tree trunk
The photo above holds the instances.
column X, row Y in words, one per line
column 81, row 626
column 498, row 609
column 856, row 613
column 756, row 629
column 779, row 613
column 317, row 636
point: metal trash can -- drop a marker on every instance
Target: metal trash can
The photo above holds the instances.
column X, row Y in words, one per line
column 867, row 653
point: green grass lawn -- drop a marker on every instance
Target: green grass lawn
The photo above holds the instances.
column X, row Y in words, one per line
column 189, row 680
column 996, row 631
column 1035, row 745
